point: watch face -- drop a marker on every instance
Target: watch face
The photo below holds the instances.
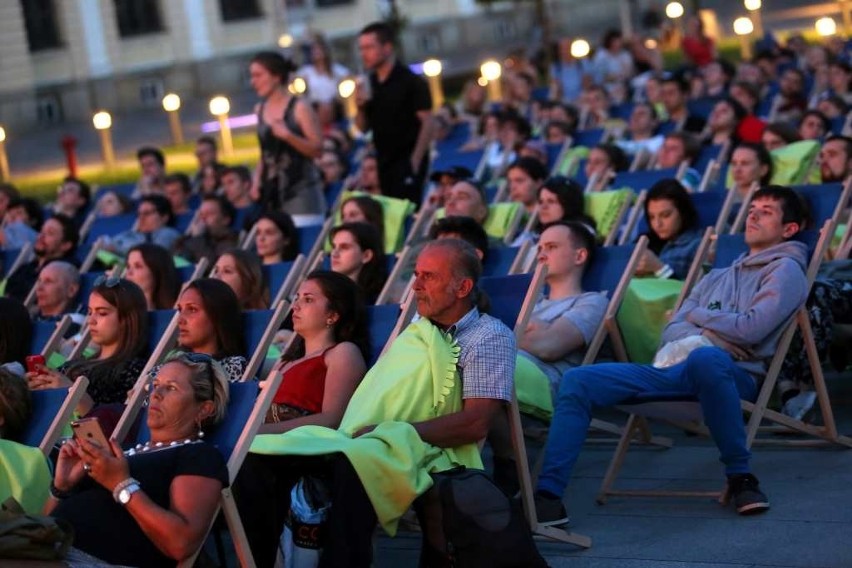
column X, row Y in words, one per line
column 124, row 496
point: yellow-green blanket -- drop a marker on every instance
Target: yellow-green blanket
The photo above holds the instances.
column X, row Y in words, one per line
column 24, row 475
column 416, row 380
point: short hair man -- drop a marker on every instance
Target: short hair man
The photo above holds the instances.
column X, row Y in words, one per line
column 206, row 153
column 679, row 147
column 835, row 159
column 236, row 186
column 56, row 288
column 57, row 240
column 642, row 128
column 467, row 199
column 212, row 234
column 73, row 199
column 444, row 181
column 464, row 228
column 742, row 310
column 398, row 109
column 152, row 163
column 674, row 92
column 178, row 189
column 445, row 289
column 153, row 220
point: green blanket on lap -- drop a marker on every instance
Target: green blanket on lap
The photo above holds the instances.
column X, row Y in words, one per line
column 24, row 475
column 416, row 380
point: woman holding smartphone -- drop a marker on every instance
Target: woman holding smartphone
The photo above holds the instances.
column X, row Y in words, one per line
column 118, row 324
column 151, row 505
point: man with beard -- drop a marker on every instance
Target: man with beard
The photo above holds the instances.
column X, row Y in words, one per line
column 57, row 240
column 835, row 159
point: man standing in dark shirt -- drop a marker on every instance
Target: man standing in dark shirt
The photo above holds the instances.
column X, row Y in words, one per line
column 397, row 108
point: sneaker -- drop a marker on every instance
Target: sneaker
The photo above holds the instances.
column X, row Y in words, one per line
column 550, row 512
column 799, row 406
column 744, row 491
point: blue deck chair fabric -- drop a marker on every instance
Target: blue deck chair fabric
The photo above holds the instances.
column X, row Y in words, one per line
column 450, row 158
column 380, row 322
column 822, row 200
column 553, row 151
column 730, row 247
column 7, row 259
column 499, row 260
column 637, row 181
column 183, row 220
column 702, row 107
column 390, row 262
column 707, row 153
column 223, row 436
column 332, row 191
column 109, row 226
column 837, row 125
column 607, row 268
column 622, row 111
column 307, row 237
column 255, row 323
column 158, row 321
column 87, row 284
column 666, row 128
column 588, row 138
column 456, row 138
column 721, row 180
column 125, row 189
column 506, row 295
column 275, row 274
column 46, row 405
column 540, row 93
column 42, row 330
column 185, row 273
column 491, row 192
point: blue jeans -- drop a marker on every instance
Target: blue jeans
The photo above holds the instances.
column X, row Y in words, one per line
column 708, row 373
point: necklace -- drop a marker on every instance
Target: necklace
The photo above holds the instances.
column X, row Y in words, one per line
column 153, row 447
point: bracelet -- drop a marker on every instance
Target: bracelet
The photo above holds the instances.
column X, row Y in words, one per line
column 57, row 493
column 122, row 485
column 665, row 271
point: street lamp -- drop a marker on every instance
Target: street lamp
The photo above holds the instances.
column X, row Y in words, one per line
column 753, row 6
column 102, row 122
column 826, row 26
column 285, row 41
column 491, row 71
column 346, row 90
column 219, row 107
column 171, row 104
column 743, row 27
column 674, row 10
column 432, row 69
column 4, row 159
column 298, row 86
column 580, row 48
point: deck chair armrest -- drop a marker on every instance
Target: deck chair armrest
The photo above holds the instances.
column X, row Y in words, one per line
column 63, row 416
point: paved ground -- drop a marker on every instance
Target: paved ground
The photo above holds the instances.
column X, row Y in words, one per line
column 809, row 525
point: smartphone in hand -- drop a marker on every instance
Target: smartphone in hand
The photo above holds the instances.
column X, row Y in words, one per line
column 35, row 363
column 90, row 429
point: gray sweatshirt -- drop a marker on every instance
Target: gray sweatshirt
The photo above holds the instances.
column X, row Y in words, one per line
column 747, row 303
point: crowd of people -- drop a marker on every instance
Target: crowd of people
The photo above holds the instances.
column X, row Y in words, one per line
column 753, row 129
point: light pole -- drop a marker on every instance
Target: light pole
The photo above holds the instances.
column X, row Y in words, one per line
column 297, row 86
column 753, row 6
column 826, row 27
column 219, row 107
column 102, row 122
column 491, row 71
column 4, row 158
column 432, row 69
column 171, row 104
column 580, row 48
column 743, row 27
column 346, row 90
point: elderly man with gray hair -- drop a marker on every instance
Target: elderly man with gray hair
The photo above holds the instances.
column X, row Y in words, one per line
column 56, row 289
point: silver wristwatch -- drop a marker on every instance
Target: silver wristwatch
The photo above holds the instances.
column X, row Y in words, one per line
column 125, row 490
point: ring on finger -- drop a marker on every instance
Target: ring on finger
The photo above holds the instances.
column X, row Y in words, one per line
column 87, row 467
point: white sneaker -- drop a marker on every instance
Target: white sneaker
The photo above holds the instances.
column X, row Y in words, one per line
column 798, row 406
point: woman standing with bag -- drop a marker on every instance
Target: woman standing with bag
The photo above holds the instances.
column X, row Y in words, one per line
column 290, row 139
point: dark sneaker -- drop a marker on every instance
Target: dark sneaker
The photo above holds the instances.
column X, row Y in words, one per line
column 550, row 512
column 744, row 491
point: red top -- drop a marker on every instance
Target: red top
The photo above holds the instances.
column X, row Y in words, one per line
column 751, row 129
column 303, row 384
column 698, row 50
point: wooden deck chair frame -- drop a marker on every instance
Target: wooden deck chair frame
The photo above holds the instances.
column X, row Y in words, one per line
column 742, row 213
column 710, row 175
column 502, row 191
column 422, row 222
column 394, row 276
column 256, row 360
column 63, row 416
column 758, row 410
column 517, row 435
column 514, row 223
column 560, row 156
column 56, row 337
column 235, row 461
column 289, row 285
column 622, row 211
column 636, row 212
column 23, row 257
column 845, row 248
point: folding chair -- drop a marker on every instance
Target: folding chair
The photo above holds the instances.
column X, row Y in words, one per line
column 52, row 409
column 109, row 226
column 259, row 329
column 281, row 278
column 826, row 201
column 684, row 409
column 500, row 260
column 513, row 298
column 48, row 335
column 394, row 280
column 10, row 260
column 637, row 181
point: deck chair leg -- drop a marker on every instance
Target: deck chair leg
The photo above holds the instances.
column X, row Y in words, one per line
column 819, row 379
column 617, row 458
column 238, row 533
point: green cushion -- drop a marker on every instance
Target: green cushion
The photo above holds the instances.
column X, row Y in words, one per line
column 394, row 211
column 603, row 207
column 499, row 218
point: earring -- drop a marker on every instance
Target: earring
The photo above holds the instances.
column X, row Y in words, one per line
column 329, row 323
column 200, row 431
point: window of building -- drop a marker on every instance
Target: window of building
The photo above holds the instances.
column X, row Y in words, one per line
column 235, row 10
column 137, row 17
column 40, row 21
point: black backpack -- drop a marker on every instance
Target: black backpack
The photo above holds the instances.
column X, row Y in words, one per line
column 482, row 526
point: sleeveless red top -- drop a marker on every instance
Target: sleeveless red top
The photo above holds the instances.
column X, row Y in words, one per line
column 303, row 384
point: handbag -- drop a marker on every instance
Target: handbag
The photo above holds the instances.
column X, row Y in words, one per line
column 32, row 537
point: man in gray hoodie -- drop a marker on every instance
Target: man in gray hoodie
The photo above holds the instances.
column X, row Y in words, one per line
column 742, row 311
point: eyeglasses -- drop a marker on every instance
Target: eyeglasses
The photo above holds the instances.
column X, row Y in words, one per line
column 108, row 281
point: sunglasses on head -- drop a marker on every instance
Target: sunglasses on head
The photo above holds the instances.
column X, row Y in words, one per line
column 108, row 281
